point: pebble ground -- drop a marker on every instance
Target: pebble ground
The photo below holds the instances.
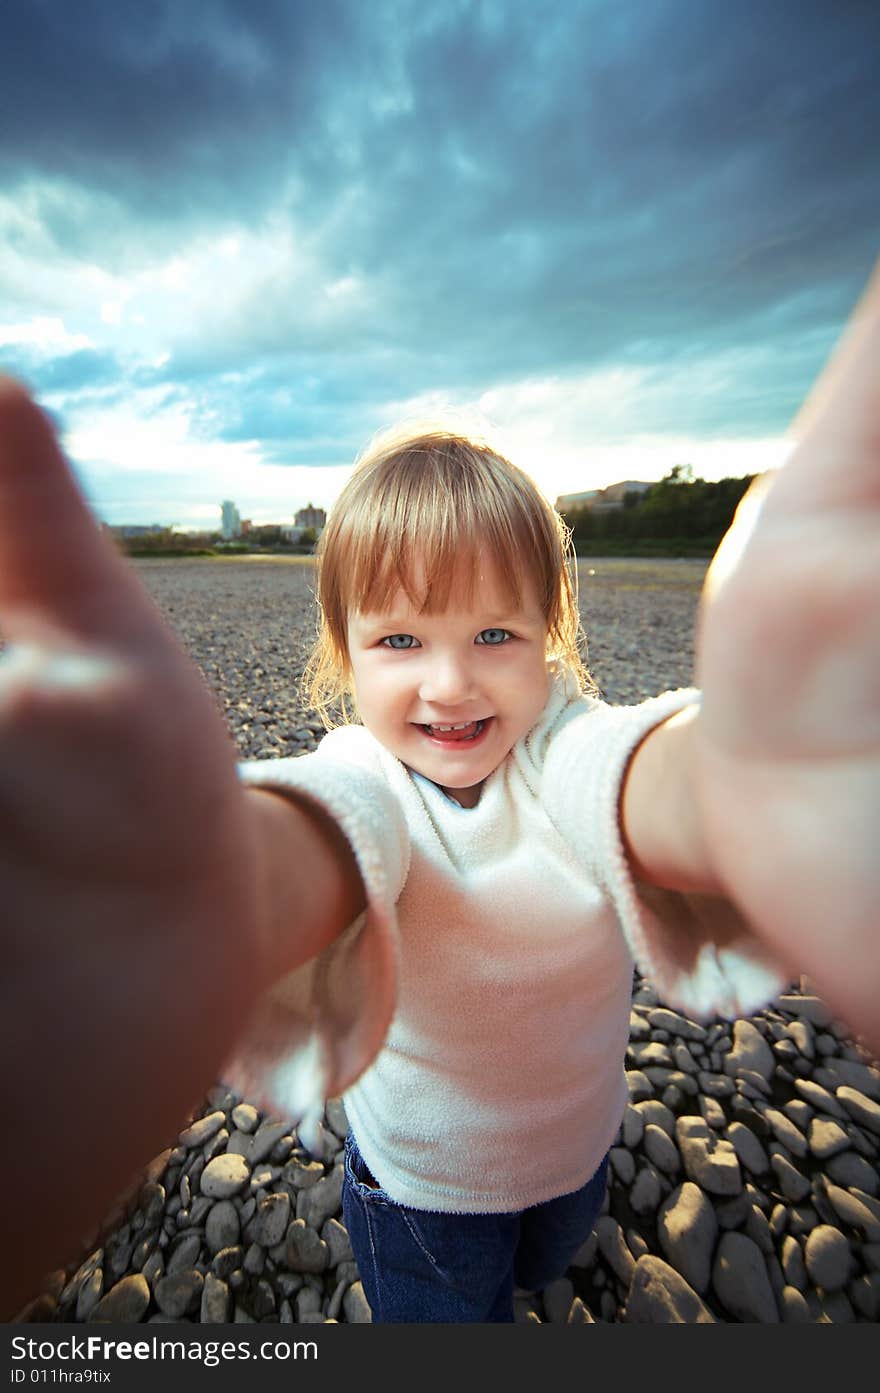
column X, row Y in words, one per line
column 744, row 1180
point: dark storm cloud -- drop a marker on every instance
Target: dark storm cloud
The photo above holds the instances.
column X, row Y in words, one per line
column 523, row 189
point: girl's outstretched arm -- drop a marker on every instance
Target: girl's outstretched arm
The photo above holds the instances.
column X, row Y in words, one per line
column 143, row 888
column 769, row 793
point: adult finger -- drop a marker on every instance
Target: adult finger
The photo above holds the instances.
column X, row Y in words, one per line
column 60, row 577
column 836, row 463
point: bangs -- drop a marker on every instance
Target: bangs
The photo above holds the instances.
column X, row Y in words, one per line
column 425, row 514
column 433, row 568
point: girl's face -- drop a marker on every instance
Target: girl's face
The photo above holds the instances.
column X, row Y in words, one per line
column 482, row 669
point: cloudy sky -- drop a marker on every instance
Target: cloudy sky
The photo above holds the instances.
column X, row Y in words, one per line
column 238, row 238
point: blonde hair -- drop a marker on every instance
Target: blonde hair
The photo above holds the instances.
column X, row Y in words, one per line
column 420, row 512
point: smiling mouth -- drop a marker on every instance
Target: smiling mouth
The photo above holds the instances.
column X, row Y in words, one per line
column 458, row 734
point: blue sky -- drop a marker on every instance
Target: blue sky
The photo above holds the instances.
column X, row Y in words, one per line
column 239, row 238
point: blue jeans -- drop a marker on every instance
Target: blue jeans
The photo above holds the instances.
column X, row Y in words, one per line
column 418, row 1266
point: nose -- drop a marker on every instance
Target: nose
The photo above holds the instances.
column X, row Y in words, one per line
column 447, row 680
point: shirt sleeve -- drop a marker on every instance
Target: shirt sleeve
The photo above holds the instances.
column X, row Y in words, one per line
column 318, row 1028
column 696, row 950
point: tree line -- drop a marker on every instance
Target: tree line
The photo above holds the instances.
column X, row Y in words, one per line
column 678, row 516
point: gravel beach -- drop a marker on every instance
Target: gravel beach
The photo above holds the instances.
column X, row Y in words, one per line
column 744, row 1182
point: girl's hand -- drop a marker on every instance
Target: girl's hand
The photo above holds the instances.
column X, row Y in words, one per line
column 788, row 657
column 126, row 863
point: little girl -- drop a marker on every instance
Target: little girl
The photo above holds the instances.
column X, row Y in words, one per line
column 435, row 914
column 476, row 1014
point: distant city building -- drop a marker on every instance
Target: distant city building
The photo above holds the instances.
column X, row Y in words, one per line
column 230, row 520
column 600, row 499
column 127, row 530
column 310, row 516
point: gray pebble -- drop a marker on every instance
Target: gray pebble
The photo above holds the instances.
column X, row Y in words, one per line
column 306, row 1252
column 355, row 1305
column 687, row 1229
column 125, row 1303
column 658, row 1295
column 202, row 1130
column 216, row 1301
column 224, row 1176
column 178, row 1294
column 740, row 1280
column 222, row 1227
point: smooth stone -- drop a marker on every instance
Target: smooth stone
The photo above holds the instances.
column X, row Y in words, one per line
column 651, row 1053
column 322, row 1201
column 623, row 1164
column 179, row 1293
column 865, row 1078
column 336, row 1118
column 612, row 1246
column 125, row 1303
column 861, row 1109
column 712, row 1113
column 853, row 1212
column 272, row 1218
column 709, row 1160
column 827, row 1138
column 819, row 1098
column 224, row 1176
column 748, row 1148
column 264, row 1140
column 227, row 1261
column 864, row 1293
column 687, row 1229
column 715, row 1085
column 683, row 1059
column 586, row 1253
column 750, row 1051
column 632, row 1128
column 793, row 1265
column 301, row 1175
column 792, row 1183
column 202, row 1130
column 245, row 1117
column 740, row 1280
column 222, row 1227
column 658, row 1295
column 638, row 1085
column 661, row 1018
column 90, row 1293
column 646, row 1191
column 848, row 1170
column 306, row 1252
column 579, row 1314
column 801, row 1033
column 557, row 1297
column 793, row 1308
column 184, row 1254
column 651, row 1110
column 355, row 1305
column 661, row 1150
column 808, row 1008
column 828, row 1257
column 785, row 1130
column 216, row 1301
column 758, row 1230
column 254, row 1260
column 335, row 1235
column 263, row 1300
column 732, row 1213
column 239, row 1144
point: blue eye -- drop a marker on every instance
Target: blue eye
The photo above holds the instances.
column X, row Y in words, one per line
column 493, row 637
column 399, row 642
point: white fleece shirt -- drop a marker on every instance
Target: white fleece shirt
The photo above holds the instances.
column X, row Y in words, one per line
column 476, row 1016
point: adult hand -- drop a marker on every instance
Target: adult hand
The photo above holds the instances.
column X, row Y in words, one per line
column 788, row 657
column 126, row 865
